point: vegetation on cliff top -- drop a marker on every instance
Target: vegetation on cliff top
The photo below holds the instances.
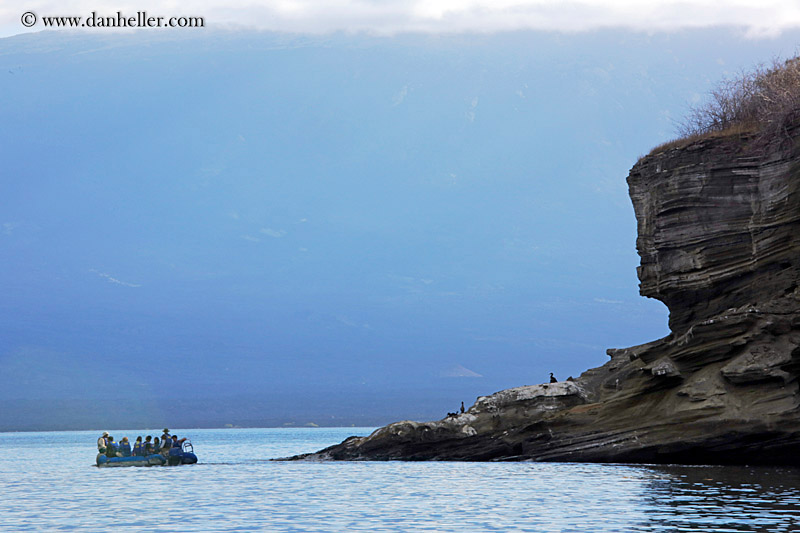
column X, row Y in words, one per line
column 764, row 102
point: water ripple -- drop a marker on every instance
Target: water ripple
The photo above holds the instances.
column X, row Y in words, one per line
column 48, row 483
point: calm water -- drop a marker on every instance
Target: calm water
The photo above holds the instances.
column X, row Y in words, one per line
column 48, row 483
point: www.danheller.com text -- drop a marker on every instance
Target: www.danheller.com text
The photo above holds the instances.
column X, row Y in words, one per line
column 142, row 19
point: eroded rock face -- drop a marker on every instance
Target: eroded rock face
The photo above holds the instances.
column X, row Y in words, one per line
column 718, row 227
column 719, row 223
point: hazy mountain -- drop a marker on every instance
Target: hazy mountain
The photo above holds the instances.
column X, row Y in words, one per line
column 254, row 228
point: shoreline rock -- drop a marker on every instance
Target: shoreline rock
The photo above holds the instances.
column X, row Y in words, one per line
column 719, row 240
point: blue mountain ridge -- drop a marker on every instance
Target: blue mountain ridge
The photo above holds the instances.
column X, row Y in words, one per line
column 253, row 228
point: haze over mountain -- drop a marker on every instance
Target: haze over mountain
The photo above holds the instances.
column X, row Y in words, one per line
column 201, row 228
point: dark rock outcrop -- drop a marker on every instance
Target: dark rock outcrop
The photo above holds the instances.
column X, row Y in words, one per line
column 719, row 240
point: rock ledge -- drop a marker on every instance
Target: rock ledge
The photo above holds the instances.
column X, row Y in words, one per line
column 719, row 239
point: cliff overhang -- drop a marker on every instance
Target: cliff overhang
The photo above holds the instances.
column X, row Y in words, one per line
column 719, row 240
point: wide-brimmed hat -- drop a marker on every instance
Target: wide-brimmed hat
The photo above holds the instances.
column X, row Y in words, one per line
column 166, row 430
column 105, row 433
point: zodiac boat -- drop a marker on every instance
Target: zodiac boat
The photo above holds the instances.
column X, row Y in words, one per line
column 177, row 456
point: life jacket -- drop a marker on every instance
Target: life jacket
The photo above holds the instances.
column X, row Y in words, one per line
column 125, row 448
column 137, row 449
column 102, row 443
column 147, row 448
column 166, row 443
column 111, row 449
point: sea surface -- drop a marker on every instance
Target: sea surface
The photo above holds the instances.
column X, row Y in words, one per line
column 48, row 482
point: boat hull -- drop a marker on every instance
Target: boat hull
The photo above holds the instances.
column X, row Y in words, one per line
column 174, row 459
column 183, row 455
column 149, row 460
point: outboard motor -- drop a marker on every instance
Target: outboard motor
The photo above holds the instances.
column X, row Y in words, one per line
column 183, row 455
column 187, row 453
column 175, row 457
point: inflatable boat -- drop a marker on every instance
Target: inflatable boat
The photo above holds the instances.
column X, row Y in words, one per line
column 177, row 456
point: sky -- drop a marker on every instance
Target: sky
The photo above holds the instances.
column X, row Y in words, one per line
column 265, row 223
column 766, row 18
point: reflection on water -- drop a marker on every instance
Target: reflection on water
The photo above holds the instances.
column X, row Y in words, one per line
column 724, row 498
column 47, row 483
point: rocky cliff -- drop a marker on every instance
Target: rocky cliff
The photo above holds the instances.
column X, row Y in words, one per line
column 719, row 228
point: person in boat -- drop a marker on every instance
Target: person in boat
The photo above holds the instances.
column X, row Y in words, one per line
column 147, row 445
column 138, row 449
column 112, row 448
column 125, row 447
column 101, row 442
column 156, row 445
column 176, row 442
column 166, row 441
column 166, row 444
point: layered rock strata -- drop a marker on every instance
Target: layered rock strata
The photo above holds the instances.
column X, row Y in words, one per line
column 718, row 235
